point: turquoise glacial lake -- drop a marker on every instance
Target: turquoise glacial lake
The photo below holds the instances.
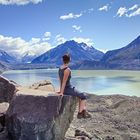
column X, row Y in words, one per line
column 100, row 82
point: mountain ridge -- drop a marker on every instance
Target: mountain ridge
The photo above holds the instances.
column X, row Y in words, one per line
column 78, row 52
column 84, row 57
column 5, row 57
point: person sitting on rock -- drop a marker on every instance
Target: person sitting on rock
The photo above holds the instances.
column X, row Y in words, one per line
column 67, row 89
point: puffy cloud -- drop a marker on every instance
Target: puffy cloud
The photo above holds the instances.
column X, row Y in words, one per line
column 35, row 40
column 70, row 16
column 19, row 2
column 19, row 47
column 121, row 11
column 59, row 39
column 129, row 12
column 88, row 41
column 104, row 8
column 135, row 13
column 77, row 28
column 47, row 36
column 74, row 16
column 133, row 7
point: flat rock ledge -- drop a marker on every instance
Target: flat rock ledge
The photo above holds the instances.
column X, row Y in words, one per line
column 39, row 115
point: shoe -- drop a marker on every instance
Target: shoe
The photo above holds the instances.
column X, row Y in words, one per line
column 86, row 114
column 80, row 115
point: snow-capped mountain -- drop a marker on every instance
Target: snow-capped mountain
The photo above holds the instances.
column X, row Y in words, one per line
column 28, row 57
column 78, row 52
column 5, row 57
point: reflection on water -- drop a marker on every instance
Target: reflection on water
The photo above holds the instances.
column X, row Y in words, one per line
column 91, row 81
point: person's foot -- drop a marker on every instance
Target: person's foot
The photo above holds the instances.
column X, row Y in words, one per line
column 80, row 115
column 84, row 114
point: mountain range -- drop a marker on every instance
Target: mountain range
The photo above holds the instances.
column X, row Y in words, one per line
column 83, row 57
column 127, row 58
column 5, row 57
column 78, row 52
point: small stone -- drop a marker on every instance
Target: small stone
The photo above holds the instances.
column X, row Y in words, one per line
column 82, row 132
column 43, row 85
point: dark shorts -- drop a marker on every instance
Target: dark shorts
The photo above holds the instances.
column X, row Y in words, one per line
column 74, row 92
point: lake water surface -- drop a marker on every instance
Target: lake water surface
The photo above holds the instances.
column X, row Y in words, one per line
column 101, row 82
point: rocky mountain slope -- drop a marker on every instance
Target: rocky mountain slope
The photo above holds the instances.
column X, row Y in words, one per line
column 78, row 52
column 127, row 58
column 5, row 57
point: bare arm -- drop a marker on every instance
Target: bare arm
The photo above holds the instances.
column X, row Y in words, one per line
column 60, row 85
column 66, row 74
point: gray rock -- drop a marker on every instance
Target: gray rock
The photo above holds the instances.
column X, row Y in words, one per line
column 1, row 127
column 3, row 108
column 3, row 131
column 4, row 135
column 34, row 117
column 113, row 117
column 43, row 85
column 82, row 133
column 7, row 90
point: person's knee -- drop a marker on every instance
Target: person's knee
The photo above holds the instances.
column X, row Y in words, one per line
column 83, row 96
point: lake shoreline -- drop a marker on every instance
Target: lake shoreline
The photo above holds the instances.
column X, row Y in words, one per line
column 114, row 117
column 98, row 81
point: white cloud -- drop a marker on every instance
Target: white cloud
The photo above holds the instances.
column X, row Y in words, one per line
column 18, row 46
column 35, row 40
column 47, row 36
column 129, row 12
column 104, row 8
column 70, row 16
column 88, row 41
column 135, row 13
column 133, row 7
column 77, row 28
column 59, row 39
column 74, row 16
column 121, row 11
column 19, row 2
column 90, row 10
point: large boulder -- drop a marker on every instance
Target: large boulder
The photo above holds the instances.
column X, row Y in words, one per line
column 7, row 90
column 39, row 115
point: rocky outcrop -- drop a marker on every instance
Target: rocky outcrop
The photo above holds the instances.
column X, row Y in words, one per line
column 7, row 90
column 39, row 115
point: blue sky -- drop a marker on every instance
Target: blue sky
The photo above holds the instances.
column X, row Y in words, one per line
column 35, row 26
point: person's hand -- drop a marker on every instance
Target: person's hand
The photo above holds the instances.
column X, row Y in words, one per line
column 61, row 94
column 58, row 92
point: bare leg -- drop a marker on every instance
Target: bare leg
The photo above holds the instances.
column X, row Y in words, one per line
column 82, row 105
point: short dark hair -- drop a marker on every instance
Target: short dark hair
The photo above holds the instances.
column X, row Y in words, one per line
column 66, row 58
